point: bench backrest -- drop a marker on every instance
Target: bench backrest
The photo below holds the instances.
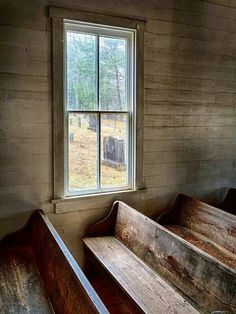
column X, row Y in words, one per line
column 215, row 224
column 67, row 287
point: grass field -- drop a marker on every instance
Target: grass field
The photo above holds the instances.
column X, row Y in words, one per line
column 83, row 161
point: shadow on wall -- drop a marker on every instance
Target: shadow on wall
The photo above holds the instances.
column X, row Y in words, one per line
column 13, row 221
column 164, row 203
column 197, row 61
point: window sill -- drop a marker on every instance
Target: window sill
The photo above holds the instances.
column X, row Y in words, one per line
column 95, row 201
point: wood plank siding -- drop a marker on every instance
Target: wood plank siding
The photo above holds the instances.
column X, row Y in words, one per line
column 189, row 114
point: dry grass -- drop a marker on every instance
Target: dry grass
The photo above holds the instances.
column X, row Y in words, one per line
column 83, row 156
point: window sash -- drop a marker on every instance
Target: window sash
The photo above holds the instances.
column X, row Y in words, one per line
column 128, row 149
column 113, row 32
column 58, row 15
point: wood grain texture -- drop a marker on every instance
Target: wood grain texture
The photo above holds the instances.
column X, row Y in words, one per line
column 111, row 293
column 204, row 244
column 46, row 259
column 105, row 226
column 150, row 292
column 207, row 220
column 189, row 269
column 21, row 287
column 70, row 292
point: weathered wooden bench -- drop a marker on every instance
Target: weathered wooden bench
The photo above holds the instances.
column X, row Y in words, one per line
column 213, row 232
column 229, row 202
column 38, row 275
column 126, row 245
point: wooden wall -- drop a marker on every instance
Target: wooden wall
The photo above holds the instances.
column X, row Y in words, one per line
column 189, row 113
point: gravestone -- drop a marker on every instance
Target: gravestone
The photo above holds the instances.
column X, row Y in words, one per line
column 79, row 122
column 71, row 137
column 92, row 123
column 114, row 152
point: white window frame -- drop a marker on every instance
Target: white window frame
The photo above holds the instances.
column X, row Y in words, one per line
column 138, row 26
column 114, row 32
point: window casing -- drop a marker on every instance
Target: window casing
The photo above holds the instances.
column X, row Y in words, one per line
column 59, row 17
column 111, row 52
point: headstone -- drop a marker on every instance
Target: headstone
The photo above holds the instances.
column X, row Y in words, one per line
column 79, row 121
column 92, row 123
column 114, row 152
column 71, row 137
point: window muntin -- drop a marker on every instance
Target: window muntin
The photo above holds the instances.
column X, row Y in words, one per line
column 98, row 108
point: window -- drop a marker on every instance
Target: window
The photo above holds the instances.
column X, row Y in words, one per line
column 97, row 103
column 99, row 107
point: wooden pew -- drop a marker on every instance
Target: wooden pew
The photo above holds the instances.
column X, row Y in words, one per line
column 213, row 232
column 39, row 275
column 125, row 239
column 229, row 202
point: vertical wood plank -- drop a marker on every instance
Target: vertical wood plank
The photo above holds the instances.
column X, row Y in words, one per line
column 58, row 111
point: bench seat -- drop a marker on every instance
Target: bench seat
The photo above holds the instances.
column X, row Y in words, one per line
column 149, row 291
column 211, row 222
column 204, row 244
column 21, row 287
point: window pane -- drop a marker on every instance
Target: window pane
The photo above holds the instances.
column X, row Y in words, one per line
column 82, row 139
column 81, row 71
column 114, row 166
column 113, row 73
